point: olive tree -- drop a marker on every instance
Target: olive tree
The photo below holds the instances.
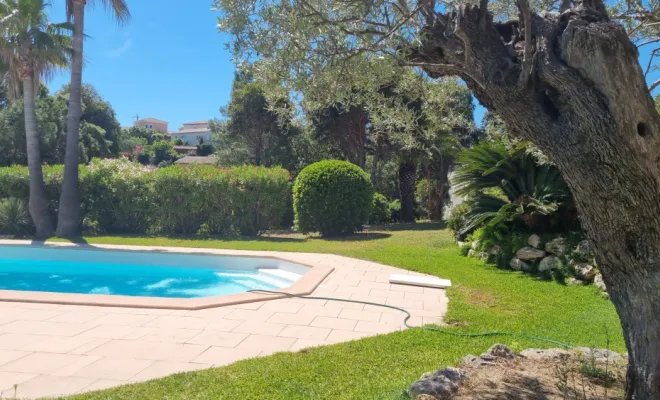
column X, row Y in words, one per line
column 565, row 75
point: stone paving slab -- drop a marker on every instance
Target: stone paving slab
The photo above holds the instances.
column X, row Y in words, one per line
column 51, row 350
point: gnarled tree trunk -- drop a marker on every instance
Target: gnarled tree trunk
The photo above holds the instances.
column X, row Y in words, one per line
column 68, row 221
column 572, row 84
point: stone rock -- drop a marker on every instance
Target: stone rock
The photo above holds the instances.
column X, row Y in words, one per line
column 534, row 241
column 501, row 351
column 600, row 284
column 585, row 247
column 460, row 244
column 472, row 253
column 426, row 375
column 585, row 272
column 425, row 397
column 600, row 355
column 550, row 263
column 545, row 354
column 556, row 246
column 519, row 265
column 530, row 253
column 483, row 256
column 469, row 360
column 451, row 373
column 476, row 244
column 574, row 282
column 441, row 384
column 495, row 250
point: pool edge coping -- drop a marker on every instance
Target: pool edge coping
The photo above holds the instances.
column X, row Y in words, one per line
column 305, row 285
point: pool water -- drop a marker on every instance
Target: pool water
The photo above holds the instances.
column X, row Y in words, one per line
column 139, row 273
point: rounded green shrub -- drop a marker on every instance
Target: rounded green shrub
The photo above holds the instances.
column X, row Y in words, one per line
column 380, row 210
column 332, row 197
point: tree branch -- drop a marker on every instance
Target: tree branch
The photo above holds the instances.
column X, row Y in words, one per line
column 654, row 85
column 526, row 12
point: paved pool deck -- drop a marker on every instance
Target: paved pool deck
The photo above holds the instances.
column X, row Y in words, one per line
column 54, row 349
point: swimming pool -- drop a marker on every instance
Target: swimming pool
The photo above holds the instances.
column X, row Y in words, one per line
column 140, row 273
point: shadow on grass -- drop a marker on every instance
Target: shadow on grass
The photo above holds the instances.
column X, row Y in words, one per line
column 420, row 226
column 76, row 240
column 356, row 237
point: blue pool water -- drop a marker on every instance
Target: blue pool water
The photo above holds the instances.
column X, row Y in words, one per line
column 139, row 273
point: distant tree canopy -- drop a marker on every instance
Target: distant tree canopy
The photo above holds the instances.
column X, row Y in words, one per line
column 100, row 133
column 253, row 131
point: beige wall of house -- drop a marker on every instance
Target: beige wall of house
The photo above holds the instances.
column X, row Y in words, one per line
column 195, row 125
column 152, row 123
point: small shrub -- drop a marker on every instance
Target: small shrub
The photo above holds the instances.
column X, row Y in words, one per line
column 380, row 210
column 395, row 210
column 14, row 217
column 465, row 249
column 332, row 197
column 456, row 217
column 143, row 158
column 602, row 376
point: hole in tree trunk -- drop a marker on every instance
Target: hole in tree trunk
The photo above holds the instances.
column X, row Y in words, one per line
column 548, row 105
column 642, row 129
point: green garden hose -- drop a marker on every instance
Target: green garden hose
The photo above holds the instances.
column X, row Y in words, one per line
column 426, row 328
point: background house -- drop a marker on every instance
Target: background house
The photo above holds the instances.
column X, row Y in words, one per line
column 191, row 133
column 152, row 123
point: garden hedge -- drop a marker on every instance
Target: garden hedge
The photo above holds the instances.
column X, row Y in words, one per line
column 332, row 197
column 118, row 196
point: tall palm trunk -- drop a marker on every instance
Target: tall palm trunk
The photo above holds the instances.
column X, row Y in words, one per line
column 68, row 223
column 407, row 175
column 38, row 198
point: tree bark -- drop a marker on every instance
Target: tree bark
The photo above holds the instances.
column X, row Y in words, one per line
column 407, row 176
column 38, row 203
column 585, row 103
column 68, row 221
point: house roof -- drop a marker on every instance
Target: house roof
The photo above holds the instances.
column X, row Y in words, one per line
column 151, row 120
column 197, row 160
column 200, row 130
column 206, row 121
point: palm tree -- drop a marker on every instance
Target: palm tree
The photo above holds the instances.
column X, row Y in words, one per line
column 30, row 49
column 68, row 222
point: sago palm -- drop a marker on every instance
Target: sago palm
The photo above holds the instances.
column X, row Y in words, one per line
column 509, row 185
column 68, row 222
column 30, row 49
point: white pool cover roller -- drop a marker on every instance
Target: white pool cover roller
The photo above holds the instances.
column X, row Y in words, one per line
column 425, row 281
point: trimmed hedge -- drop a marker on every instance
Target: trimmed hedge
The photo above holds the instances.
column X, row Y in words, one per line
column 332, row 197
column 118, row 196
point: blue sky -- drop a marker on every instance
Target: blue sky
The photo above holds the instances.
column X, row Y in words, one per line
column 168, row 62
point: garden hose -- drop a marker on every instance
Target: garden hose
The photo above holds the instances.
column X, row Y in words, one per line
column 426, row 328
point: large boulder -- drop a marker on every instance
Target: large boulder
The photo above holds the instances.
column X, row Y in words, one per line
column 599, row 355
column 556, row 246
column 585, row 247
column 530, row 253
column 534, row 241
column 476, row 244
column 550, row 263
column 545, row 354
column 519, row 265
column 585, row 272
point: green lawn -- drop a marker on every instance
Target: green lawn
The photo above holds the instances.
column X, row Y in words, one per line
column 483, row 298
